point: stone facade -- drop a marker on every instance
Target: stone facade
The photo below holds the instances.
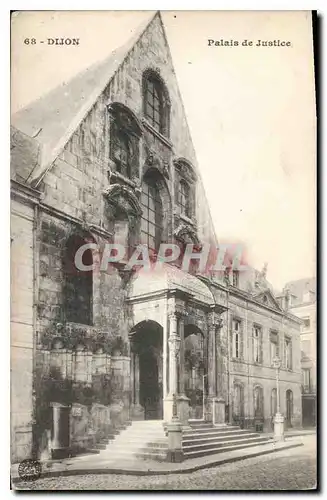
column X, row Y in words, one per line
column 143, row 338
column 301, row 296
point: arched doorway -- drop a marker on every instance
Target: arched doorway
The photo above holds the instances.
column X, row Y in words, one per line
column 258, row 408
column 147, row 386
column 238, row 404
column 289, row 408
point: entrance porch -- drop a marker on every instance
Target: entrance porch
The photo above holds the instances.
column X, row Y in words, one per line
column 174, row 324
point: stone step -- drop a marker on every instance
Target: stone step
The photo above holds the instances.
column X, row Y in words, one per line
column 202, row 453
column 213, row 431
column 218, row 438
column 222, row 444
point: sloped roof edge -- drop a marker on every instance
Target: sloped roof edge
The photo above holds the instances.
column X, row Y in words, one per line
column 32, row 121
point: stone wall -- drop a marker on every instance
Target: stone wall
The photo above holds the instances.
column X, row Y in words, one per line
column 22, row 301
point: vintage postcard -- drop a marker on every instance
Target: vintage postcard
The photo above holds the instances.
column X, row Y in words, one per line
column 163, row 250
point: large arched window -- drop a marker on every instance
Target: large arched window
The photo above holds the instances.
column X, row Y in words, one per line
column 78, row 284
column 156, row 103
column 125, row 133
column 184, row 198
column 151, row 224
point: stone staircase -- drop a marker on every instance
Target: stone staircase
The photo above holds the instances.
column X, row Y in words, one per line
column 206, row 439
column 146, row 440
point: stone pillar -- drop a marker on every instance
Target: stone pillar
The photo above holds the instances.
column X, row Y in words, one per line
column 60, row 446
column 175, row 436
column 181, row 354
column 279, row 427
column 174, row 346
column 215, row 407
column 218, row 411
column 164, row 358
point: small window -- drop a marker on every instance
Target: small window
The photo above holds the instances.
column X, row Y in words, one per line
column 121, row 152
column 274, row 346
column 257, row 339
column 288, row 354
column 184, row 198
column 236, row 338
column 306, row 323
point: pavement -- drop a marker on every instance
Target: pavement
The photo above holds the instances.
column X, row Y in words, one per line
column 93, row 464
column 289, row 468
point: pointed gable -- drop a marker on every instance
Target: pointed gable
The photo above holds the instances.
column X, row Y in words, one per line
column 58, row 123
column 267, row 298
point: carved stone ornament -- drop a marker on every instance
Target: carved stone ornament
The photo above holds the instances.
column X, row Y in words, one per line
column 116, row 192
column 185, row 233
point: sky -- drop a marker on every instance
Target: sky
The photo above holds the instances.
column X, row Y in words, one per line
column 251, row 112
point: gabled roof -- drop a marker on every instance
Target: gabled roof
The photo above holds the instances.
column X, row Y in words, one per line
column 52, row 119
column 267, row 298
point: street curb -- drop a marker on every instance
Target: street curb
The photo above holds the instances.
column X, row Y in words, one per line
column 131, row 472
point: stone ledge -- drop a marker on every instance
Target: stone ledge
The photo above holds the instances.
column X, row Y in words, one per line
column 146, row 468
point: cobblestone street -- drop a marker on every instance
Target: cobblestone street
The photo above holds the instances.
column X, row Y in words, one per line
column 293, row 469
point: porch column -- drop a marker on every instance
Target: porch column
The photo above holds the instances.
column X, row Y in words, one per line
column 212, row 356
column 181, row 354
column 174, row 346
column 137, row 379
column 215, row 407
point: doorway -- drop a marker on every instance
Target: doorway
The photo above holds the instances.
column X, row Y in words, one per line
column 148, row 389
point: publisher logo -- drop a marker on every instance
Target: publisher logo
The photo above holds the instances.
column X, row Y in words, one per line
column 29, row 470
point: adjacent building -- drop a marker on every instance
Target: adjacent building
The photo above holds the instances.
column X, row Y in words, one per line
column 108, row 158
column 300, row 296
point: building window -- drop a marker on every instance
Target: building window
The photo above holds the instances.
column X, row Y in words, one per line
column 258, row 402
column 273, row 402
column 78, row 284
column 236, row 276
column 151, row 223
column 184, row 198
column 306, row 378
column 306, row 323
column 288, row 354
column 125, row 134
column 257, row 344
column 121, row 152
column 156, row 104
column 236, row 337
column 274, row 346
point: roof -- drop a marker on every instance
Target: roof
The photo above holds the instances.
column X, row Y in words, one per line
column 52, row 119
column 170, row 278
